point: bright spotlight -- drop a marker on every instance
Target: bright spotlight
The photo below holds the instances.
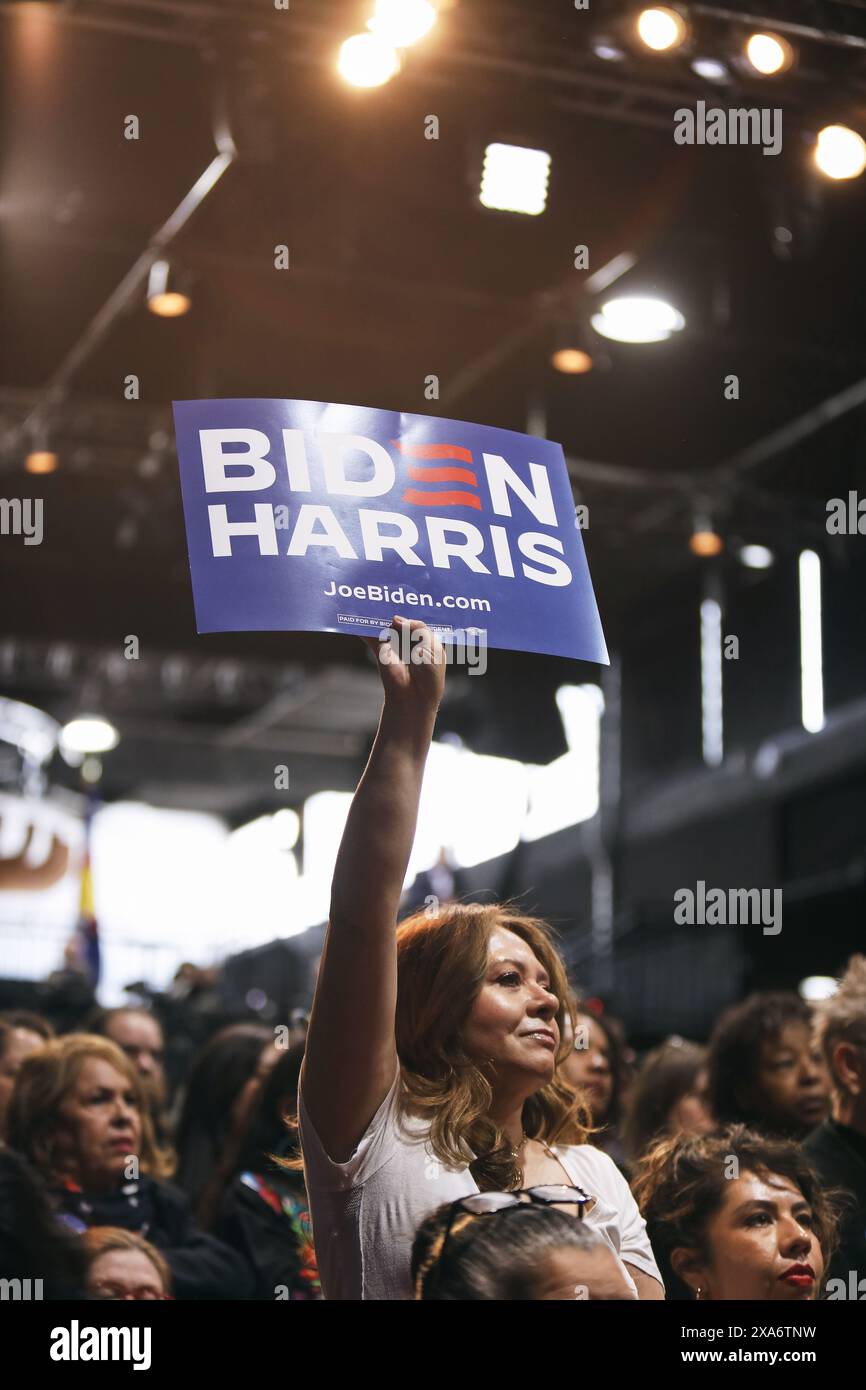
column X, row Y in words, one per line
column 367, row 61
column 89, row 734
column 840, row 153
column 815, row 987
column 769, row 54
column 710, row 69
column 811, row 653
column 402, row 22
column 661, row 28
column 637, row 319
column 515, row 179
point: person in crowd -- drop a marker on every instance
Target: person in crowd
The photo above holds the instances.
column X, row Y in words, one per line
column 33, row 1245
column 21, row 1033
column 838, row 1147
column 431, row 1065
column 78, row 1117
column 221, row 1091
column 596, row 1065
column 122, row 1265
column 139, row 1034
column 764, row 1069
column 264, row 1211
column 736, row 1215
column 669, row 1096
column 504, row 1246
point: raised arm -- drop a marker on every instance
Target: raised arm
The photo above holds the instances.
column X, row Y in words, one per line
column 351, row 1055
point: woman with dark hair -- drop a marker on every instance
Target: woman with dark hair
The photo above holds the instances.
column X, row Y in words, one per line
column 220, row 1093
column 765, row 1069
column 734, row 1215
column 502, row 1245
column 32, row 1244
column 597, row 1066
column 431, row 1070
column 21, row 1032
column 77, row 1116
column 264, row 1212
column 669, row 1096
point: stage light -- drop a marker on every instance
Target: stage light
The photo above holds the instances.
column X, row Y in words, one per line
column 661, row 29
column 811, row 656
column 637, row 319
column 711, row 69
column 769, row 54
column 515, row 179
column 571, row 361
column 367, row 61
column 756, row 557
column 164, row 297
column 89, row 733
column 816, row 987
column 41, row 461
column 402, row 22
column 712, row 735
column 840, row 153
column 705, row 540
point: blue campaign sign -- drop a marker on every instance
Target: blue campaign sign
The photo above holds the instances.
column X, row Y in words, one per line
column 308, row 516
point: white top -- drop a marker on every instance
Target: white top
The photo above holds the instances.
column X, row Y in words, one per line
column 366, row 1211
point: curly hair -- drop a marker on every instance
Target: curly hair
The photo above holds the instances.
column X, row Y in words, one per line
column 680, row 1184
column 442, row 961
column 734, row 1049
column 43, row 1081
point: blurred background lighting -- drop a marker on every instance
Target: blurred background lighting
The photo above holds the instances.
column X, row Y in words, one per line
column 840, row 153
column 41, row 461
column 756, row 557
column 816, row 987
column 163, row 297
column 661, row 28
column 367, row 61
column 637, row 319
column 515, row 179
column 402, row 22
column 769, row 54
column 571, row 361
column 89, row 734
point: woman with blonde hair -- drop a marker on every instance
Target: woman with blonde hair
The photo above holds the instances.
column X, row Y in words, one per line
column 433, row 1052
column 122, row 1265
column 77, row 1116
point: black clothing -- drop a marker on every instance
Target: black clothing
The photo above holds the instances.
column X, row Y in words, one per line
column 839, row 1154
column 203, row 1267
column 265, row 1215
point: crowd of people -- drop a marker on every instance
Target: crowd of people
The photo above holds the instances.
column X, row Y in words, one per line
column 453, row 1123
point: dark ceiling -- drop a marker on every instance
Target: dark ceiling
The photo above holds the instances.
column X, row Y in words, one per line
column 396, row 272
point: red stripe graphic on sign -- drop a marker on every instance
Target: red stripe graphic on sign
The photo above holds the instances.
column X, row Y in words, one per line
column 433, row 451
column 442, row 499
column 442, row 475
